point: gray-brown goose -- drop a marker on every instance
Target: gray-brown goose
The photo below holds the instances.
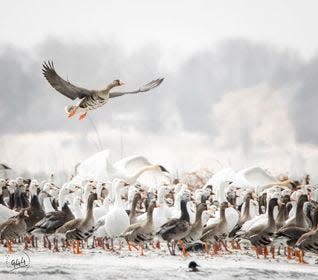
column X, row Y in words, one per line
column 132, row 213
column 140, row 233
column 14, row 228
column 51, row 222
column 308, row 241
column 217, row 232
column 197, row 227
column 89, row 99
column 244, row 217
column 79, row 229
column 299, row 220
column 260, row 236
column 176, row 229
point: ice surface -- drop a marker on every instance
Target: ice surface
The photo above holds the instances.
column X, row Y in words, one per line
column 156, row 264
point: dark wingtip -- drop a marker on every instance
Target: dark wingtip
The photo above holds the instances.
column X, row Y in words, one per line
column 163, row 169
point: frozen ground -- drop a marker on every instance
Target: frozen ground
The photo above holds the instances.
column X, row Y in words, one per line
column 101, row 264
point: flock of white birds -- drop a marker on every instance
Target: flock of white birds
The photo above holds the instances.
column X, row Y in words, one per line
column 137, row 204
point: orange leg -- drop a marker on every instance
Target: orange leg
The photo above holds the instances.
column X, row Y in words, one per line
column 238, row 246
column 289, row 253
column 273, row 252
column 142, row 250
column 232, row 244
column 265, row 252
column 72, row 112
column 83, row 116
column 206, row 247
column 9, row 247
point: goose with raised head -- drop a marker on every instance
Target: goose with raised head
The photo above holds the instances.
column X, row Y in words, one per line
column 79, row 229
column 140, row 233
column 308, row 241
column 117, row 220
column 261, row 235
column 217, row 232
column 197, row 227
column 89, row 99
column 177, row 229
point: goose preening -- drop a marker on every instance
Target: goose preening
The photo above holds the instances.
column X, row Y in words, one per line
column 89, row 99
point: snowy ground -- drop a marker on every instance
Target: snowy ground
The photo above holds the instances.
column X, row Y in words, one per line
column 101, row 264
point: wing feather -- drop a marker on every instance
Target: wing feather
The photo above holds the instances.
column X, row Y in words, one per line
column 66, row 88
column 143, row 88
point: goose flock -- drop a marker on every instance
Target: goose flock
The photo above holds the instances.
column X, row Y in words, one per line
column 281, row 218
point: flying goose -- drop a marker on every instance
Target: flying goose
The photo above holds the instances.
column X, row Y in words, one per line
column 89, row 99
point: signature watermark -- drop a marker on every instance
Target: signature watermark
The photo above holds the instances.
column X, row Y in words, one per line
column 18, row 261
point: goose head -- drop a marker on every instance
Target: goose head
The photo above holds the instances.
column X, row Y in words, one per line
column 12, row 186
column 117, row 83
column 33, row 188
column 19, row 181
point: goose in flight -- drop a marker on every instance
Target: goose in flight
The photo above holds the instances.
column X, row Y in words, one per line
column 89, row 99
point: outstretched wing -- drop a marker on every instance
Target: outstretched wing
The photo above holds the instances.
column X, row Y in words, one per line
column 62, row 86
column 144, row 88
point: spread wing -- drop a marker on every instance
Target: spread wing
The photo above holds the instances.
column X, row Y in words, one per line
column 62, row 86
column 144, row 88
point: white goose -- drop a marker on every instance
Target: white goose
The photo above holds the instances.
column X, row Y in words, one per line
column 116, row 220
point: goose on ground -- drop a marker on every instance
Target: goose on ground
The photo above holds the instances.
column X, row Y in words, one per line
column 13, row 228
column 217, row 232
column 89, row 99
column 116, row 220
column 79, row 229
column 51, row 222
column 177, row 229
column 141, row 233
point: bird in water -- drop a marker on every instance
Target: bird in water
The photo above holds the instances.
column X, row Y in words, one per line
column 89, row 99
column 193, row 266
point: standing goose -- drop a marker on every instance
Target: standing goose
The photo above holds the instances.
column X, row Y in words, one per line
column 216, row 232
column 52, row 221
column 139, row 233
column 13, row 228
column 260, row 235
column 196, row 228
column 308, row 241
column 177, row 229
column 79, row 229
column 89, row 99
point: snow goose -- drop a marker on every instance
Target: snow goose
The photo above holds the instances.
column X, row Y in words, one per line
column 176, row 229
column 116, row 220
column 79, row 229
column 13, row 228
column 140, row 233
column 89, row 99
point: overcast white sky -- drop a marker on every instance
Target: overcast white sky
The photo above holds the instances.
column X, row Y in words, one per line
column 185, row 25
column 220, row 58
